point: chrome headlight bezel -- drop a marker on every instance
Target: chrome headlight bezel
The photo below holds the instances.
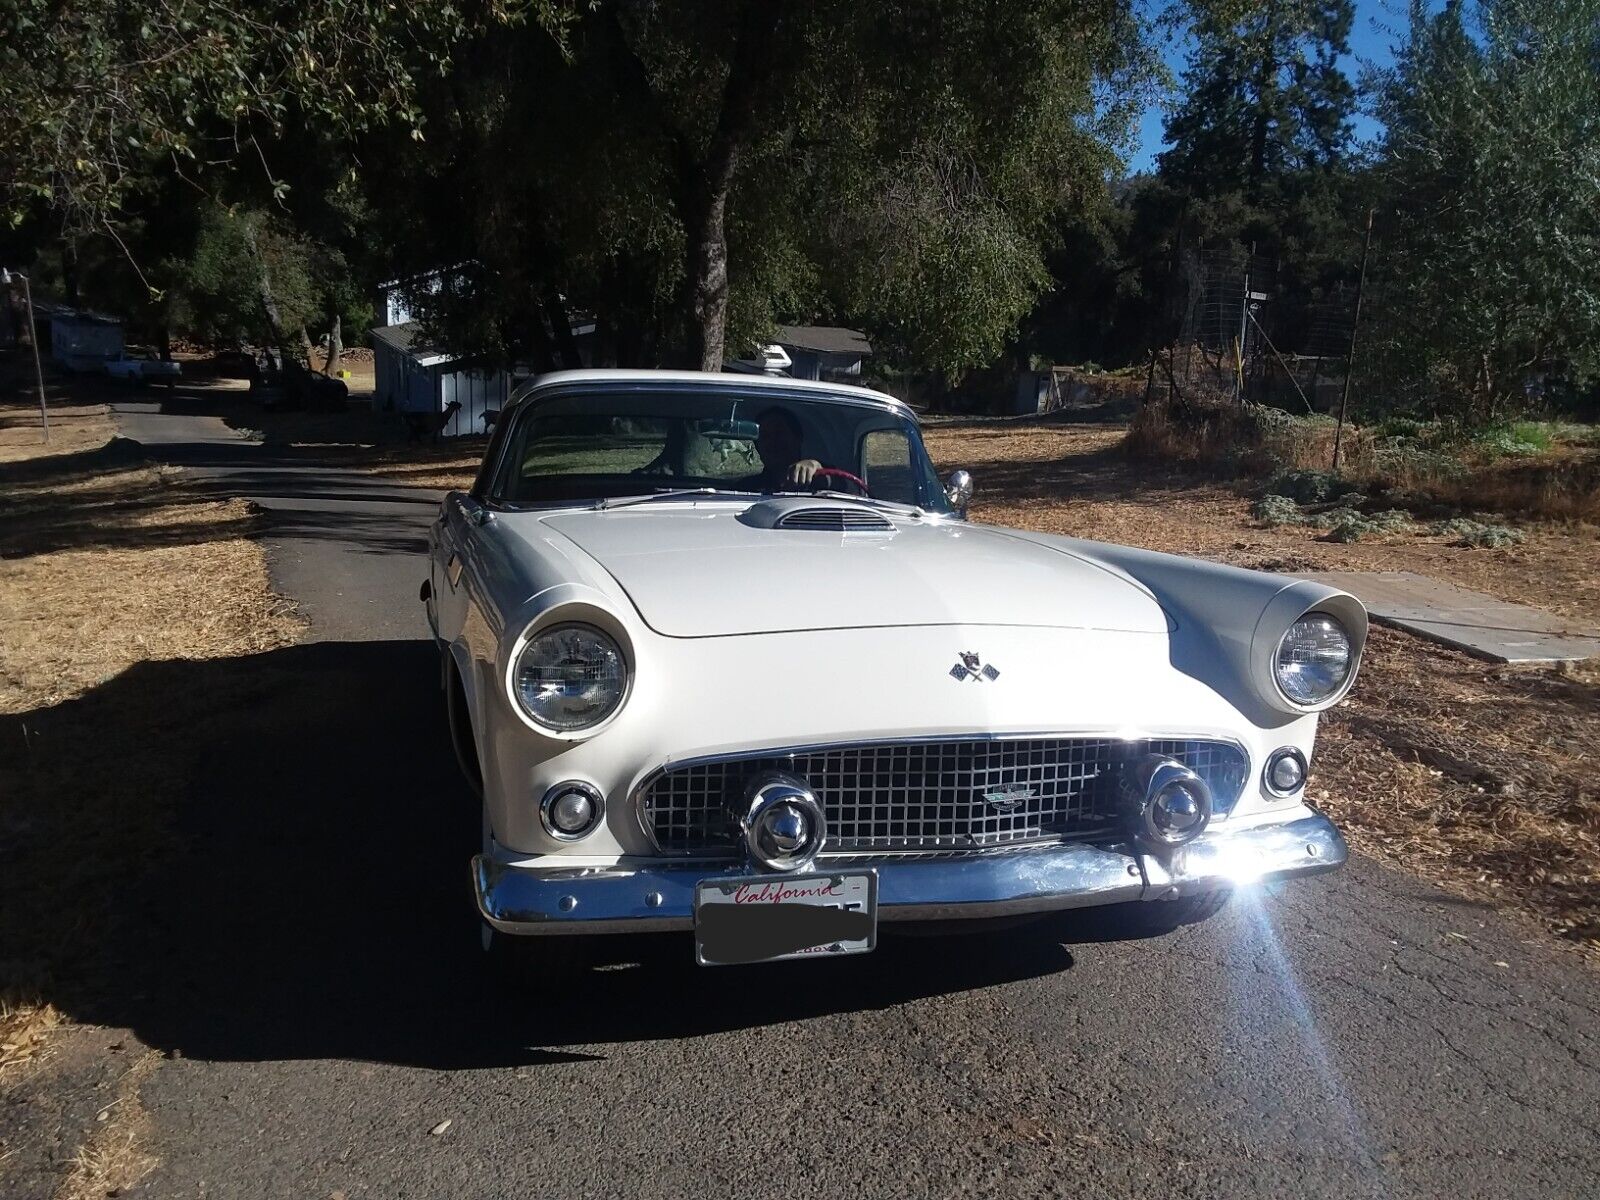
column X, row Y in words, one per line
column 546, row 628
column 1332, row 695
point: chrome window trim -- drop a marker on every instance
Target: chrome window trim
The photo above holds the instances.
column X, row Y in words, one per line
column 636, row 794
column 519, row 405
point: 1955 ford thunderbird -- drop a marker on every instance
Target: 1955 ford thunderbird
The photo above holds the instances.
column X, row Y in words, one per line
column 723, row 655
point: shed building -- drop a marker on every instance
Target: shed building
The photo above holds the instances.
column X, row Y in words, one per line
column 80, row 340
column 824, row 351
column 411, row 375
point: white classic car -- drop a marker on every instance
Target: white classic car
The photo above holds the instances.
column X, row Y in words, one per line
column 722, row 655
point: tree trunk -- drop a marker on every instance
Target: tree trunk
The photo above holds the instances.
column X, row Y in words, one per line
column 335, row 347
column 561, row 327
column 269, row 303
column 704, row 179
column 705, row 275
column 1266, row 106
column 305, row 346
column 538, row 339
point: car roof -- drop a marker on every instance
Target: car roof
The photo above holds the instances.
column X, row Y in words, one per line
column 733, row 381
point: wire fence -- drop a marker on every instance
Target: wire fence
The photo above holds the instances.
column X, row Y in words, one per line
column 1243, row 336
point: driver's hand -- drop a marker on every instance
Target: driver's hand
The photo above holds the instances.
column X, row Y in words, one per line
column 804, row 471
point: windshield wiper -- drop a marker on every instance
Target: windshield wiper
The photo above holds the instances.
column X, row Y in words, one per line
column 667, row 494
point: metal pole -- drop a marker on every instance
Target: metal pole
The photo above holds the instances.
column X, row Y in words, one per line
column 1350, row 358
column 33, row 340
column 1244, row 315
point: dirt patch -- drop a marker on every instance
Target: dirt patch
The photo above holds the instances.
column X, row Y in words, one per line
column 73, row 428
column 1480, row 777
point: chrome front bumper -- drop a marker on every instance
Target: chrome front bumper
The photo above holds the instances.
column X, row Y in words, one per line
column 657, row 895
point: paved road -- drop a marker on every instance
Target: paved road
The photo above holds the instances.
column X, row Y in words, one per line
column 321, row 1009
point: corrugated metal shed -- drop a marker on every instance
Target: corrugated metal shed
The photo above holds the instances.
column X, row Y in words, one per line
column 413, row 375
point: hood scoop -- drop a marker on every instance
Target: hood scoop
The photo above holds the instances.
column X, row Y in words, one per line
column 792, row 512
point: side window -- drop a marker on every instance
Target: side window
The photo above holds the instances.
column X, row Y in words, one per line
column 886, row 466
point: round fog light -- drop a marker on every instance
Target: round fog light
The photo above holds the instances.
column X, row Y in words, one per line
column 1286, row 771
column 1176, row 811
column 783, row 826
column 571, row 810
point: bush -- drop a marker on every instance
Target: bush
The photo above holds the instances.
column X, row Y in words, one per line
column 1477, row 534
column 1518, row 440
column 1273, row 511
column 1306, row 487
column 1351, row 525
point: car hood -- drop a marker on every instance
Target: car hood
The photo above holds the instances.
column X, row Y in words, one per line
column 702, row 570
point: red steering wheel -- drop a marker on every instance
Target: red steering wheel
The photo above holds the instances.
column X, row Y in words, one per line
column 835, row 473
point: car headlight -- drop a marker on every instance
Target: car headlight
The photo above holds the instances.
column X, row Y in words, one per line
column 1314, row 659
column 569, row 677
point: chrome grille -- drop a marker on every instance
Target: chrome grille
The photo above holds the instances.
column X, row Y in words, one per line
column 836, row 520
column 941, row 796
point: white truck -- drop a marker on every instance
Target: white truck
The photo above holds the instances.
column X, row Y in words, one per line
column 143, row 368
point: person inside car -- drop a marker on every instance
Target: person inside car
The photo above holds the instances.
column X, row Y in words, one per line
column 779, row 442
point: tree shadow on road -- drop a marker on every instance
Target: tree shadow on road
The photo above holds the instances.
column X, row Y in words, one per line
column 266, row 858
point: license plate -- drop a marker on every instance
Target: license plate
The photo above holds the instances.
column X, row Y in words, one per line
column 765, row 918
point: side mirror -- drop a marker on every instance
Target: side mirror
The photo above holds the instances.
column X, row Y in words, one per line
column 958, row 491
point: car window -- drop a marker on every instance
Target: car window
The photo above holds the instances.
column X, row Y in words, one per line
column 886, row 465
column 620, row 442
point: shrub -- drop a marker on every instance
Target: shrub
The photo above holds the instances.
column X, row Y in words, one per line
column 1306, row 486
column 1274, row 511
column 1518, row 440
column 1346, row 524
column 1467, row 532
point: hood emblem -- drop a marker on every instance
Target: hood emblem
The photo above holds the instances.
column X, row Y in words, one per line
column 973, row 667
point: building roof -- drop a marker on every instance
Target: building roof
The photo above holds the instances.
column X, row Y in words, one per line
column 408, row 339
column 45, row 309
column 827, row 339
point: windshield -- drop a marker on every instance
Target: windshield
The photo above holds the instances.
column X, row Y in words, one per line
column 610, row 443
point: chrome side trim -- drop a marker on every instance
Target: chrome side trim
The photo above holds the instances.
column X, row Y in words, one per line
column 650, row 894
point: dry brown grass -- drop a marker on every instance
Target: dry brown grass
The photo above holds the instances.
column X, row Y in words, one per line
column 73, row 428
column 1481, row 777
column 107, row 563
column 114, row 1158
column 1562, row 484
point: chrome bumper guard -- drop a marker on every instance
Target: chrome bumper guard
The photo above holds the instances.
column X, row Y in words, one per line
column 659, row 896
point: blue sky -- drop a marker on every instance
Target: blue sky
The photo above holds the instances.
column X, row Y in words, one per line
column 1371, row 37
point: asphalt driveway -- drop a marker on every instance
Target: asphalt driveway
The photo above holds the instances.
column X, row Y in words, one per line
column 321, row 1013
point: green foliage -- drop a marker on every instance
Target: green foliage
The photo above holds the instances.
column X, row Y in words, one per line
column 1519, row 439
column 1273, row 510
column 1351, row 525
column 1473, row 533
column 94, row 91
column 1265, row 98
column 898, row 166
column 1408, row 459
column 1490, row 176
column 1306, row 487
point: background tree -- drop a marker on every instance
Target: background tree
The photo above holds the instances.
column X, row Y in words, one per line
column 895, row 164
column 1489, row 173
